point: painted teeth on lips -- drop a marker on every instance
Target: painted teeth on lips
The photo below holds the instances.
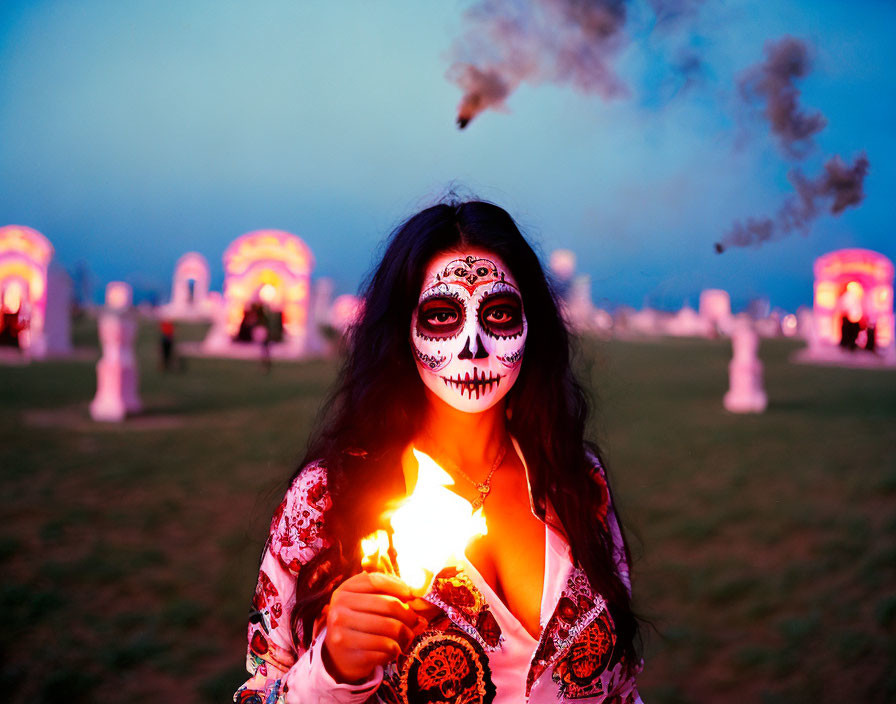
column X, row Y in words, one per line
column 476, row 384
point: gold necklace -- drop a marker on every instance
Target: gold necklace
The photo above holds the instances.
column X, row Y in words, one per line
column 484, row 487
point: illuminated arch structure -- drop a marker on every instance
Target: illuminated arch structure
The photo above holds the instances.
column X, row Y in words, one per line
column 855, row 285
column 24, row 261
column 190, row 297
column 271, row 268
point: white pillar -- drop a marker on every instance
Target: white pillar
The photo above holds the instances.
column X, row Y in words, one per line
column 746, row 393
column 116, row 372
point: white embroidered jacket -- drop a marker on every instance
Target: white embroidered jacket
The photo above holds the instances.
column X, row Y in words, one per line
column 449, row 662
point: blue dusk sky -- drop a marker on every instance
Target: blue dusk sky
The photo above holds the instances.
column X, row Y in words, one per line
column 132, row 132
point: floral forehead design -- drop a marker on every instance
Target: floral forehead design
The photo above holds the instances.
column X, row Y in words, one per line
column 470, row 272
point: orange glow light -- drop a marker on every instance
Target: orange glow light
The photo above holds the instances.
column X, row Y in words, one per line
column 855, row 288
column 17, row 268
column 826, row 295
column 12, row 296
column 882, row 298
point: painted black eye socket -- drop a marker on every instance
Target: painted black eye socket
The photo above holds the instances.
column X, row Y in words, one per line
column 502, row 315
column 482, row 271
column 439, row 317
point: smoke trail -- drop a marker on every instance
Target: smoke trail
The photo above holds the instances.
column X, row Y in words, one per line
column 838, row 187
column 561, row 41
column 772, row 84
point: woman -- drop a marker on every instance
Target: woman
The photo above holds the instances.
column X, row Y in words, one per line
column 461, row 353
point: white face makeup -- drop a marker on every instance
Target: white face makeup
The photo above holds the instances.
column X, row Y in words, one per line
column 468, row 331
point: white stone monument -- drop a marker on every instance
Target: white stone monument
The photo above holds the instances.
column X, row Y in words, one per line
column 746, row 393
column 715, row 309
column 116, row 372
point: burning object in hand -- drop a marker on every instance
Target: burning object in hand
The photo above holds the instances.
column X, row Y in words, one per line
column 430, row 529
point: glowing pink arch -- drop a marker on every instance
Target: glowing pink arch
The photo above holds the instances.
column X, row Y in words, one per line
column 25, row 256
column 873, row 272
column 277, row 261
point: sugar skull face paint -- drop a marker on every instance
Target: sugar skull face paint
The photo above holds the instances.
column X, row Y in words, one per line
column 468, row 331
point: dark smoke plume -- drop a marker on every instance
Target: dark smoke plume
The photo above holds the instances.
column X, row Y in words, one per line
column 560, row 41
column 837, row 188
column 772, row 83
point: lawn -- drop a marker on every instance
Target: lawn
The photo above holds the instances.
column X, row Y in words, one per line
column 765, row 545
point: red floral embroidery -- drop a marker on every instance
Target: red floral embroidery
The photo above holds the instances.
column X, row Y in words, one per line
column 444, row 667
column 488, row 628
column 267, row 600
column 316, row 494
column 574, row 604
column 297, row 528
column 567, row 610
column 578, row 672
column 258, row 644
column 455, row 592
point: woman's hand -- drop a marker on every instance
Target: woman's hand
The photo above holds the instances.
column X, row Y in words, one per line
column 369, row 623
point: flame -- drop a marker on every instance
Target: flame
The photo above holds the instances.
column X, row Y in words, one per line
column 430, row 528
column 375, row 548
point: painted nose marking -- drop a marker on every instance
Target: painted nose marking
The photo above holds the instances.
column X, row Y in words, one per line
column 481, row 352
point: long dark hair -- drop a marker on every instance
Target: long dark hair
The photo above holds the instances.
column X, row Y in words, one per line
column 377, row 407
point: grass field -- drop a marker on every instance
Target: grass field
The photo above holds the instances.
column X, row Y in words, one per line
column 765, row 545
